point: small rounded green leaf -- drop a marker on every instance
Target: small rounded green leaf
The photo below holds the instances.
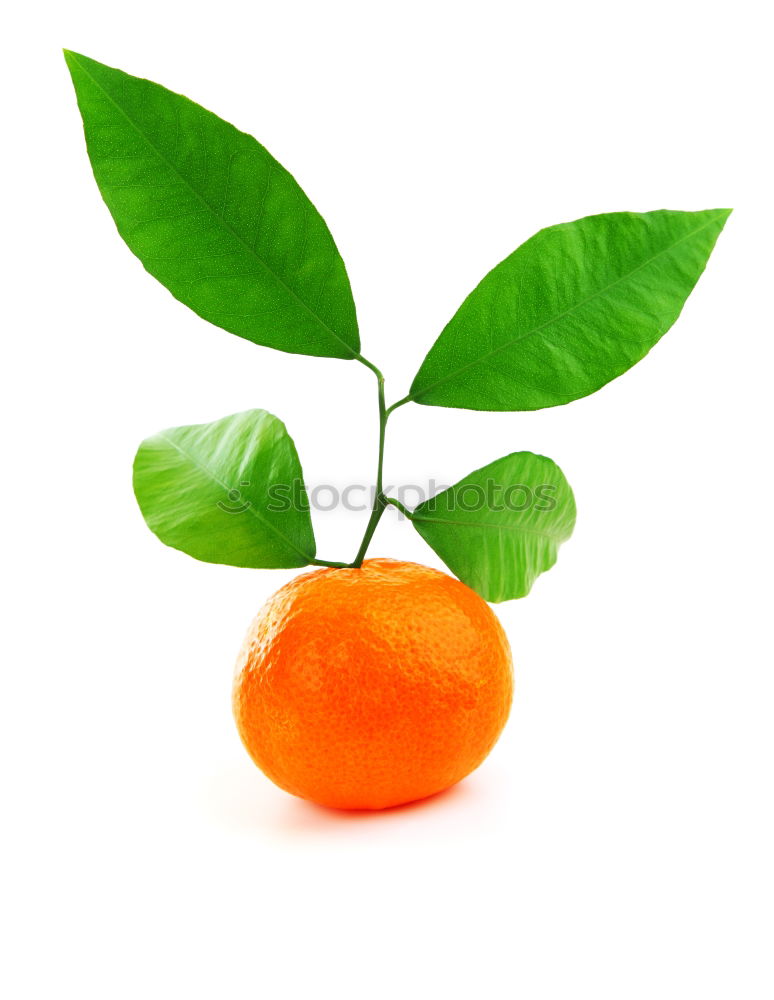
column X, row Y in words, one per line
column 571, row 309
column 500, row 527
column 213, row 216
column 227, row 492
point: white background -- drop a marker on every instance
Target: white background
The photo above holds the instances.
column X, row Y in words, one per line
column 618, row 841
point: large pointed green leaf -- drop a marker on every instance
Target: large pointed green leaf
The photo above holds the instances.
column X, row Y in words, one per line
column 227, row 492
column 574, row 307
column 214, row 216
column 500, row 527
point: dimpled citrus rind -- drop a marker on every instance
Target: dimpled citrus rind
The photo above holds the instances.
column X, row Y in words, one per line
column 368, row 688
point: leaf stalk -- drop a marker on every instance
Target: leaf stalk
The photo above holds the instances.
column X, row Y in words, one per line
column 380, row 501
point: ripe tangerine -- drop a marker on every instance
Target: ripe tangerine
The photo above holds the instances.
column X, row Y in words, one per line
column 367, row 688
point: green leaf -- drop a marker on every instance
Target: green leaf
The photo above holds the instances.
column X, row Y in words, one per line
column 573, row 308
column 500, row 527
column 213, row 216
column 227, row 492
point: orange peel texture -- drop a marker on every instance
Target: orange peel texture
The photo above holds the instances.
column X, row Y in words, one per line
column 367, row 688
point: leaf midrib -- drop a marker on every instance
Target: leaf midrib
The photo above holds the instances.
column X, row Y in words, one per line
column 205, row 469
column 225, row 225
column 550, row 536
column 555, row 319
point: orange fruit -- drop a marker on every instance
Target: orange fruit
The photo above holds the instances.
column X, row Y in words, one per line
column 366, row 688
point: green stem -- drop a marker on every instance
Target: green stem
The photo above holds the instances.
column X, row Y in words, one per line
column 400, row 402
column 330, row 565
column 368, row 364
column 379, row 499
column 376, row 514
column 396, row 503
